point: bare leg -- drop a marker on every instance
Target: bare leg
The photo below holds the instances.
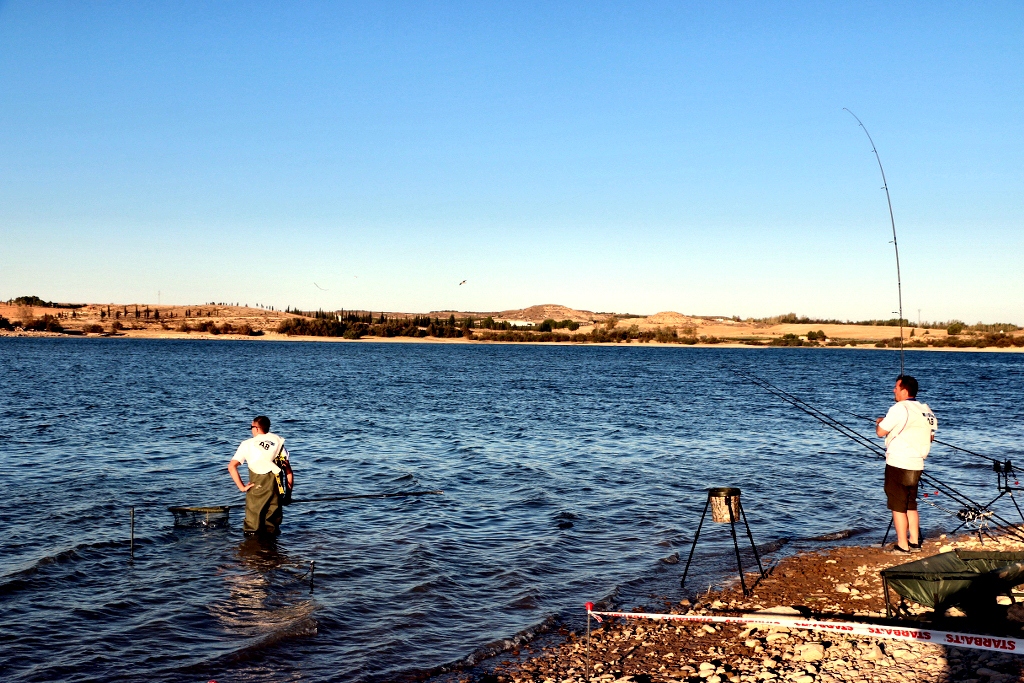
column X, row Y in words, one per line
column 914, row 522
column 899, row 520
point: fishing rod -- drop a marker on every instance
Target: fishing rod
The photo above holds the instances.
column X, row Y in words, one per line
column 995, row 461
column 971, row 508
column 814, row 412
column 892, row 219
column 323, row 499
column 843, row 429
column 401, row 494
column 217, row 515
column 855, row 436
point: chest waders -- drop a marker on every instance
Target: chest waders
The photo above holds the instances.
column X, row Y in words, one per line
column 263, row 511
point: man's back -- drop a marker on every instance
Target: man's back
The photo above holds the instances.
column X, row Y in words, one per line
column 259, row 452
column 910, row 425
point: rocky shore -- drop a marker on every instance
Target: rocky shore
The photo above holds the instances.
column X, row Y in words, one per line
column 840, row 584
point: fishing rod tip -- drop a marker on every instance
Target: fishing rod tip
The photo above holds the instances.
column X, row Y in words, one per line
column 589, row 606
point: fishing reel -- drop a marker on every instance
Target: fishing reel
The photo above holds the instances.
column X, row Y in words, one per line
column 972, row 515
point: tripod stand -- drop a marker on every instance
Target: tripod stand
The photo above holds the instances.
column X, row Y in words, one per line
column 1004, row 472
column 726, row 507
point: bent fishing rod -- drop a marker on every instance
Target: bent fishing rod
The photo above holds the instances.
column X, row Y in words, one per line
column 892, row 220
column 857, row 437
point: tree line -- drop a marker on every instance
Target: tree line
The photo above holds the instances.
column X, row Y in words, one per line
column 951, row 326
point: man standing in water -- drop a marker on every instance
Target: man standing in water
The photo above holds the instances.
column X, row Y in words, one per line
column 909, row 429
column 266, row 458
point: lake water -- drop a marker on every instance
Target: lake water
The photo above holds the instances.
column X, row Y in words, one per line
column 619, row 442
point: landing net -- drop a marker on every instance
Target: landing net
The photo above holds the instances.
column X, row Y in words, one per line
column 201, row 517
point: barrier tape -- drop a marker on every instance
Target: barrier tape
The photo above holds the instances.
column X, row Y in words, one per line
column 918, row 635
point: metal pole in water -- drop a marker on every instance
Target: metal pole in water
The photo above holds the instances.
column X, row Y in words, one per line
column 312, row 565
column 590, row 607
column 131, row 542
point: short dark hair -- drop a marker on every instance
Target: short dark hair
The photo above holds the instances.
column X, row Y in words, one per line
column 263, row 422
column 908, row 383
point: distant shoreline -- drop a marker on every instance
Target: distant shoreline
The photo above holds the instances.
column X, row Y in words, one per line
column 540, row 324
column 171, row 335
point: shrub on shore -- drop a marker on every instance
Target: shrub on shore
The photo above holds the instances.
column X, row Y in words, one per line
column 5, row 324
column 994, row 327
column 321, row 327
column 355, row 326
column 666, row 335
column 247, row 330
column 211, row 327
column 93, row 328
column 35, row 301
column 47, row 323
column 787, row 340
column 995, row 339
column 551, row 324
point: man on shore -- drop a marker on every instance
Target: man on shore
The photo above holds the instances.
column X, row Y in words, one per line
column 909, row 429
column 266, row 458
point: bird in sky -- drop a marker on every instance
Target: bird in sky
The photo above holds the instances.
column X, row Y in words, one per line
column 319, row 287
column 462, row 283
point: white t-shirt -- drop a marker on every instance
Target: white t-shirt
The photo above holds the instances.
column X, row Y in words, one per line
column 911, row 425
column 259, row 453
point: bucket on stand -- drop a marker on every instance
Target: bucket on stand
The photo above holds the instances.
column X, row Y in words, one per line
column 721, row 500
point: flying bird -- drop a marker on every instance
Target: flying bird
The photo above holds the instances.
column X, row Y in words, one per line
column 462, row 283
column 319, row 287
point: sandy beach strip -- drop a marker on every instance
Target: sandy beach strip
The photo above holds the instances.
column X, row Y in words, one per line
column 276, row 337
column 839, row 584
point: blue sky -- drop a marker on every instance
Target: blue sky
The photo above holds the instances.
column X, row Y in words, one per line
column 612, row 156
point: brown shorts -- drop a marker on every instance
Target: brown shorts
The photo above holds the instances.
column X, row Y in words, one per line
column 901, row 488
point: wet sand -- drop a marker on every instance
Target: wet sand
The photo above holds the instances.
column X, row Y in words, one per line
column 841, row 584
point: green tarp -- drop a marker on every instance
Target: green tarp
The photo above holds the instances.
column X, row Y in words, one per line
column 961, row 577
